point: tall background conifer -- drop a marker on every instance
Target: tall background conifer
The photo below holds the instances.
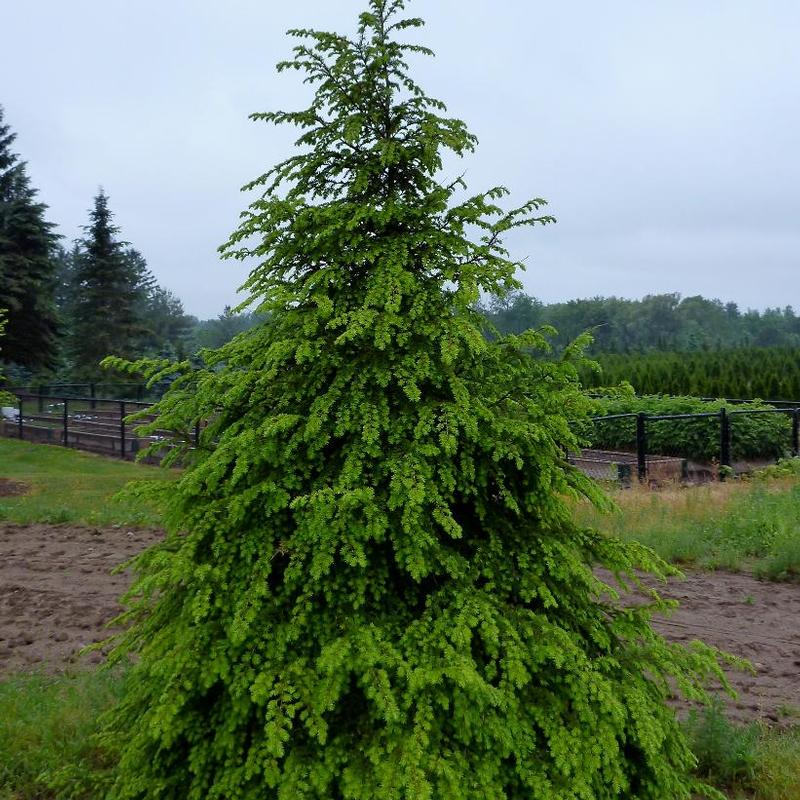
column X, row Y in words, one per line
column 109, row 284
column 28, row 265
column 6, row 398
column 372, row 587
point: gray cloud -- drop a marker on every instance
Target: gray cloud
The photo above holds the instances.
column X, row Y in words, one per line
column 663, row 134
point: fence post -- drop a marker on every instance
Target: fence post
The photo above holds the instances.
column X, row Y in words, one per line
column 122, row 429
column 66, row 422
column 724, row 442
column 641, row 446
column 624, row 474
column 92, row 394
column 796, row 433
column 19, row 421
column 41, row 398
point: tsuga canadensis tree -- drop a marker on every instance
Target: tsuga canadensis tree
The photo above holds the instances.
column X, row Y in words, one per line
column 108, row 289
column 28, row 265
column 371, row 585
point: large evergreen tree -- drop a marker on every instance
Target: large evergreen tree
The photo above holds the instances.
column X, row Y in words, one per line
column 108, row 292
column 372, row 587
column 167, row 326
column 5, row 397
column 27, row 265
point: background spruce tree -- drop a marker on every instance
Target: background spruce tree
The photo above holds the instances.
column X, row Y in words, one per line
column 163, row 323
column 371, row 586
column 65, row 285
column 28, row 265
column 6, row 398
column 167, row 326
column 107, row 295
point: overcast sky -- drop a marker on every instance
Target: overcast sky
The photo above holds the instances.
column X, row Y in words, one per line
column 664, row 134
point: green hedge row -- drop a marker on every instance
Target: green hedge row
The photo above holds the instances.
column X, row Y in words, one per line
column 753, row 436
column 771, row 373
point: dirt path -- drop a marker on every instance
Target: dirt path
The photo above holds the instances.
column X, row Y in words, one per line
column 56, row 590
column 57, row 593
column 757, row 620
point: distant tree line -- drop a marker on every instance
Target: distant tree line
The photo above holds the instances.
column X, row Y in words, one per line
column 747, row 373
column 666, row 344
column 664, row 322
column 65, row 309
column 68, row 308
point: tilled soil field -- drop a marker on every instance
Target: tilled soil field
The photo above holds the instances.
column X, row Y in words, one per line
column 57, row 594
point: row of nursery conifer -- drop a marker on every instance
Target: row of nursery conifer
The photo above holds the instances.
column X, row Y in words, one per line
column 747, row 373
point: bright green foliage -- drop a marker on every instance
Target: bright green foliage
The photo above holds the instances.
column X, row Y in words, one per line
column 371, row 587
column 27, row 264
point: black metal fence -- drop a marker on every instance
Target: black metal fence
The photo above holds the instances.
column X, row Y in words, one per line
column 85, row 423
column 652, row 448
column 137, row 392
column 688, row 447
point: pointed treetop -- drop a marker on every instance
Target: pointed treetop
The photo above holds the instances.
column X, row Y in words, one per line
column 363, row 201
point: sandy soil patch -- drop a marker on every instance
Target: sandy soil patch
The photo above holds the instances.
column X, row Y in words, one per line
column 56, row 590
column 757, row 620
column 57, row 594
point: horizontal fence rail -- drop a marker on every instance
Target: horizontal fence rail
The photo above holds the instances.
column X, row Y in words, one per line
column 133, row 392
column 654, row 448
column 687, row 447
column 86, row 423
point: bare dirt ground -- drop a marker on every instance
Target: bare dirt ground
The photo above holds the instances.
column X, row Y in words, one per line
column 755, row 620
column 57, row 594
column 9, row 488
column 56, row 590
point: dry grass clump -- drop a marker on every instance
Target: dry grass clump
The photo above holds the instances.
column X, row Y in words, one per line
column 740, row 524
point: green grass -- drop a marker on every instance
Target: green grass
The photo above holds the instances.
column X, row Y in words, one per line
column 740, row 524
column 49, row 749
column 70, row 486
column 746, row 761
